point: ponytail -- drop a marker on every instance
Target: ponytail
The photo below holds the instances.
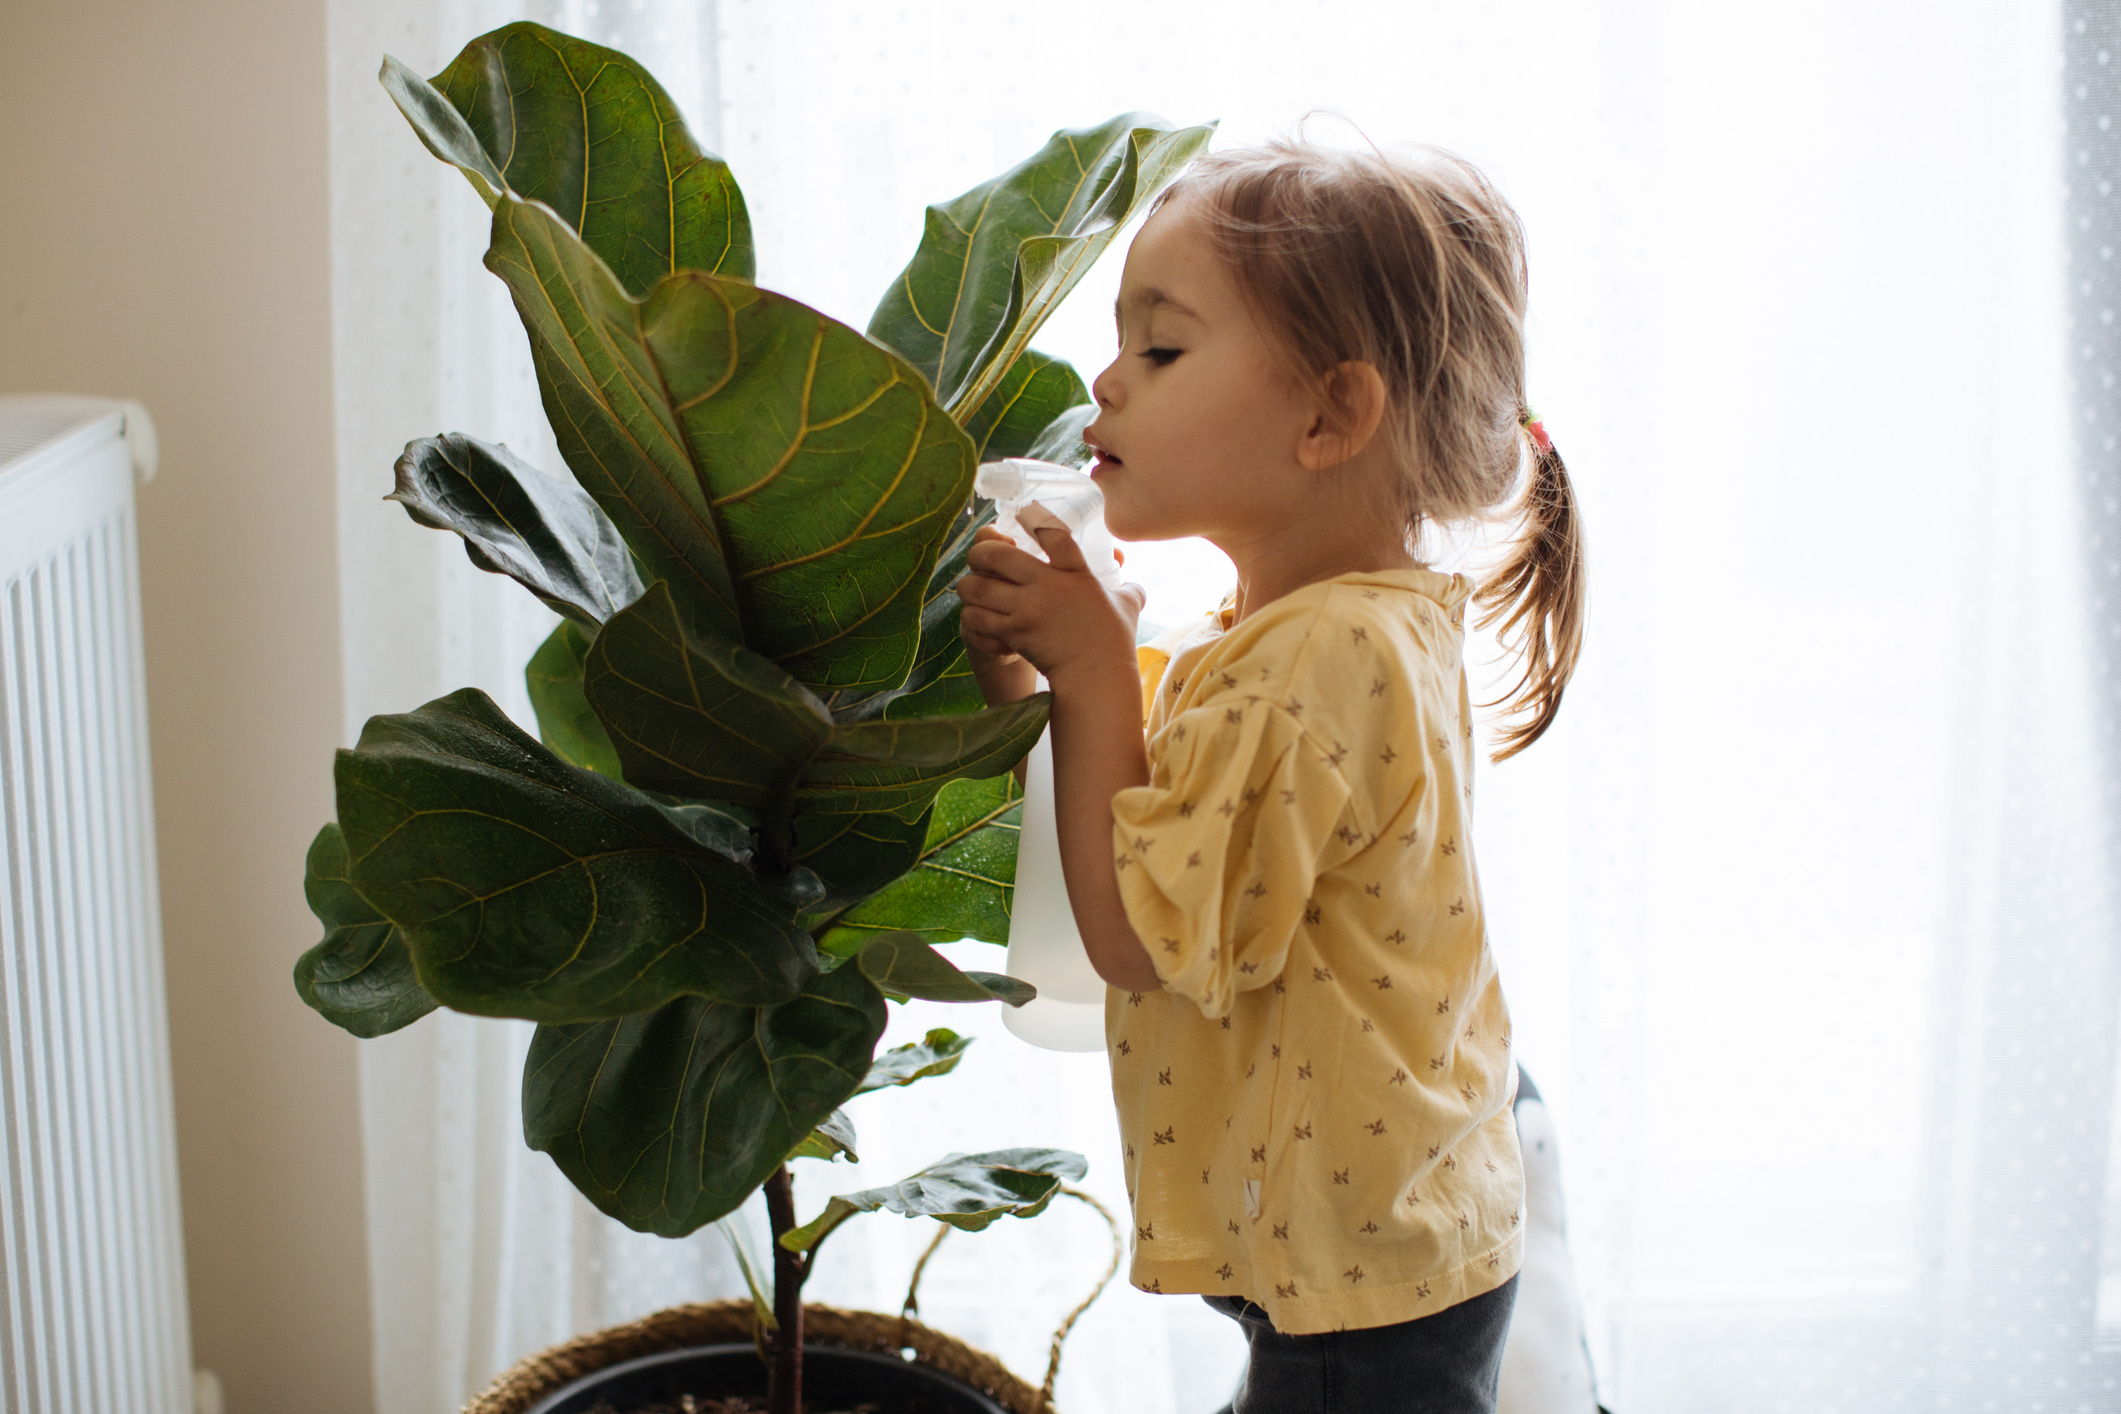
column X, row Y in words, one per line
column 1537, row 597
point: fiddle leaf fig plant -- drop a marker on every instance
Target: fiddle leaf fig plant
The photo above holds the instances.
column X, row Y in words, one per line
column 764, row 780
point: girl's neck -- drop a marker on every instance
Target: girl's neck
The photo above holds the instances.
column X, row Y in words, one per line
column 1316, row 525
column 1309, row 552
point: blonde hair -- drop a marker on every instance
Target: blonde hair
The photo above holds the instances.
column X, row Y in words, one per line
column 1414, row 264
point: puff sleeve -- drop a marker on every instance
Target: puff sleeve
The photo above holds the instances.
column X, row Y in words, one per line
column 1217, row 855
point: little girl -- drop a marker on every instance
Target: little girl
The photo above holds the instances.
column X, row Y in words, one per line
column 1321, row 353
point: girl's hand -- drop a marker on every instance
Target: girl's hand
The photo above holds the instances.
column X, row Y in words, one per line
column 1004, row 676
column 1051, row 616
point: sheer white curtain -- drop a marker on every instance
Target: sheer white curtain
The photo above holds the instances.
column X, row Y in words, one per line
column 1804, row 908
column 480, row 1252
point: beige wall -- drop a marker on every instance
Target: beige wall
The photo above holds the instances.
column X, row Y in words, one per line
column 163, row 235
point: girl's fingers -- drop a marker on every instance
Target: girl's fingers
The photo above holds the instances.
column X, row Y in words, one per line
column 983, row 629
column 1003, row 559
column 997, row 597
column 1061, row 550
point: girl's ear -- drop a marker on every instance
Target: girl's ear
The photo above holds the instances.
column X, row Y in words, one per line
column 1350, row 405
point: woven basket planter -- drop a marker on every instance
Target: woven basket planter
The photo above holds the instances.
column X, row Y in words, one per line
column 518, row 1390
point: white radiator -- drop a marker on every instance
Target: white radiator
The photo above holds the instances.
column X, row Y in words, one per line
column 92, row 1311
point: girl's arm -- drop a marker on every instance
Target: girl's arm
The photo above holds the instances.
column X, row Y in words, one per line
column 1057, row 619
column 1097, row 753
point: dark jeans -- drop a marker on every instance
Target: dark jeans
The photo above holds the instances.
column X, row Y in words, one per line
column 1447, row 1363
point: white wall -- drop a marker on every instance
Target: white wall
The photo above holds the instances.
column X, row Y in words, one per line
column 164, row 235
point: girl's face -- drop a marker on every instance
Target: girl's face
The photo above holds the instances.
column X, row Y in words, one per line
column 1198, row 425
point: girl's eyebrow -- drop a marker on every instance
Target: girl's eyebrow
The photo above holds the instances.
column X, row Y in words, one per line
column 1152, row 298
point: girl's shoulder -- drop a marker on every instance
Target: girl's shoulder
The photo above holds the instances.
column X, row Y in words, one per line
column 1327, row 645
column 1415, row 601
column 1417, row 608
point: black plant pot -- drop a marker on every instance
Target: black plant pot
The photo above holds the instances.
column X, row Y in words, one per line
column 832, row 1379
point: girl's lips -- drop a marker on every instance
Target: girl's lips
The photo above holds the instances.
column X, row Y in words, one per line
column 1102, row 459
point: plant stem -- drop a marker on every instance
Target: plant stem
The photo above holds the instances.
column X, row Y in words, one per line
column 776, row 834
column 784, row 1386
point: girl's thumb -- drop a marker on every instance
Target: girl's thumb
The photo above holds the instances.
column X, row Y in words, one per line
column 1061, row 550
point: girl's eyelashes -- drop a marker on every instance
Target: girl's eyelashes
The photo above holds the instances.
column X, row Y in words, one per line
column 1161, row 358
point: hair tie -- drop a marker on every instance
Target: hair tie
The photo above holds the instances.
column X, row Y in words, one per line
column 1529, row 420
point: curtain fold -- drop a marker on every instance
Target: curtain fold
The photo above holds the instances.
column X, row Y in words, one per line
column 2091, row 99
column 1805, row 908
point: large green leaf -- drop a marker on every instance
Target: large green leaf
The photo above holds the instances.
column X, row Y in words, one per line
column 966, row 1191
column 906, row 968
column 964, row 882
column 855, row 855
column 528, row 887
column 700, row 718
column 566, row 724
column 995, row 262
column 544, row 534
column 941, row 683
column 590, row 133
column 794, row 480
column 669, row 1119
column 360, row 977
column 610, row 412
column 833, row 473
column 899, row 766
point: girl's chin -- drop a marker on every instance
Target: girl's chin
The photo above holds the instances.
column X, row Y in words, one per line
column 1126, row 518
column 1122, row 525
column 1108, row 482
column 1123, row 528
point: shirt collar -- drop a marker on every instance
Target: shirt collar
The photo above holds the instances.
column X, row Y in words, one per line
column 1449, row 590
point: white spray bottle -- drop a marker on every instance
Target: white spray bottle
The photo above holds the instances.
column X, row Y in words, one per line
column 1044, row 947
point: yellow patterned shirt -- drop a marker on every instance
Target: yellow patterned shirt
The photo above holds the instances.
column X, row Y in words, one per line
column 1316, row 1108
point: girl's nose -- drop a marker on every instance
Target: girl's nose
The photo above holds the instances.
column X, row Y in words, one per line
column 1106, row 389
